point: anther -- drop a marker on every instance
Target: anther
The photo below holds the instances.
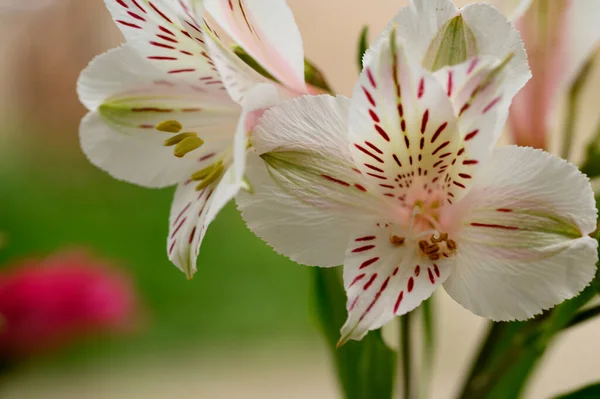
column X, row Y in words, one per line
column 188, row 144
column 422, row 245
column 212, row 177
column 170, row 126
column 177, row 139
column 395, row 240
column 451, row 244
column 443, row 237
column 432, row 249
column 204, row 173
column 434, row 256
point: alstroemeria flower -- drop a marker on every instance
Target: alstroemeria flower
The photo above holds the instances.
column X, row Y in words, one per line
column 173, row 105
column 560, row 37
column 402, row 184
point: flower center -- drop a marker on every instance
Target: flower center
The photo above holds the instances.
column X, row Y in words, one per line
column 425, row 231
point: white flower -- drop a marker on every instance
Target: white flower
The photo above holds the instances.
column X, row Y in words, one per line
column 402, row 183
column 173, row 105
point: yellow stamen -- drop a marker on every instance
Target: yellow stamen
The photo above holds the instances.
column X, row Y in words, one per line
column 188, row 144
column 212, row 177
column 434, row 256
column 203, row 173
column 432, row 249
column 451, row 244
column 177, row 139
column 170, row 126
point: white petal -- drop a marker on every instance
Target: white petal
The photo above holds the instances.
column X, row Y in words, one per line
column 497, row 38
column 167, row 33
column 267, row 31
column 403, row 131
column 513, row 9
column 523, row 244
column 383, row 280
column 416, row 25
column 303, row 211
column 129, row 98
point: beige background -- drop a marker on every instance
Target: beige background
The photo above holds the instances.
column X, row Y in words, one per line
column 297, row 369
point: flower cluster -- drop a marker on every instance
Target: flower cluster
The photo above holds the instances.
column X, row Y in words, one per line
column 402, row 183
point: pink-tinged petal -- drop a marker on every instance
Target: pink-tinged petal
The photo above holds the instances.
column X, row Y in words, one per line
column 403, row 131
column 384, row 280
column 522, row 243
column 267, row 31
column 168, row 35
column 306, row 193
column 542, row 29
column 238, row 78
column 128, row 101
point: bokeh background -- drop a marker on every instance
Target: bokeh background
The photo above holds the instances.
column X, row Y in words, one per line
column 243, row 327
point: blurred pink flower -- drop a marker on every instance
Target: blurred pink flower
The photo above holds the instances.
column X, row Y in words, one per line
column 560, row 37
column 46, row 304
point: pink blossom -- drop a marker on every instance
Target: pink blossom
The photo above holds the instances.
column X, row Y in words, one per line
column 48, row 303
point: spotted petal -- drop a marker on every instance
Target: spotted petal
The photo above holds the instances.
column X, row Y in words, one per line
column 523, row 242
column 168, row 34
column 267, row 31
column 384, row 280
column 480, row 103
column 306, row 193
column 127, row 97
column 402, row 126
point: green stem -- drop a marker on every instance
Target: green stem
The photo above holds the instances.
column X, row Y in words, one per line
column 487, row 347
column 428, row 348
column 405, row 356
column 570, row 121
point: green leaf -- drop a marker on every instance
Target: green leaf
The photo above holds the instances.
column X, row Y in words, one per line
column 365, row 369
column 589, row 392
column 363, row 45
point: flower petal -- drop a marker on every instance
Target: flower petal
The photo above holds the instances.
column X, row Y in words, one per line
column 523, row 244
column 497, row 38
column 402, row 126
column 238, row 78
column 304, row 185
column 480, row 102
column 419, row 23
column 383, row 280
column 191, row 213
column 128, row 98
column 167, row 33
column 416, row 25
column 267, row 31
